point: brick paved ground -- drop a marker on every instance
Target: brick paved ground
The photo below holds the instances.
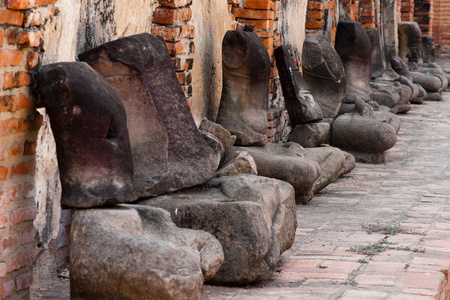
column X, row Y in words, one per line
column 411, row 191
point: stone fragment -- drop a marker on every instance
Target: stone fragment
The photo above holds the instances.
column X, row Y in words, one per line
column 245, row 93
column 137, row 252
column 292, row 163
column 428, row 49
column 299, row 102
column 365, row 134
column 93, row 152
column 324, row 73
column 169, row 152
column 224, row 137
column 354, row 47
column 253, row 217
column 377, row 65
column 310, row 135
column 242, row 163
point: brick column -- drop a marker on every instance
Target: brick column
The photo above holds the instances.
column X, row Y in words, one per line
column 20, row 41
column 423, row 15
column 367, row 14
column 170, row 20
column 315, row 17
column 407, row 10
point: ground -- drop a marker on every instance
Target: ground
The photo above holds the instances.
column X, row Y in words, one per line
column 380, row 232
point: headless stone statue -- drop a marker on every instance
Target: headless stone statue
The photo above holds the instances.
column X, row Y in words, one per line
column 324, row 73
column 169, row 152
column 89, row 123
column 299, row 102
column 245, row 93
column 354, row 47
column 410, row 43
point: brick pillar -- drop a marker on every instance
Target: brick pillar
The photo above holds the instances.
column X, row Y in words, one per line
column 367, row 14
column 407, row 10
column 170, row 20
column 423, row 15
column 315, row 17
column 20, row 41
column 441, row 26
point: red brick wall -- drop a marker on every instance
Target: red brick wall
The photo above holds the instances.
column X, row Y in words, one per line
column 406, row 10
column 315, row 15
column 441, row 25
column 170, row 20
column 20, row 41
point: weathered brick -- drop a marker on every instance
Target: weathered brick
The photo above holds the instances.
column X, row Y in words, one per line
column 11, row 36
column 26, row 4
column 29, row 39
column 29, row 191
column 9, row 243
column 4, row 221
column 314, row 25
column 24, row 281
column 184, row 46
column 23, row 214
column 2, row 269
column 7, row 289
column 11, row 17
column 315, row 5
column 8, row 103
column 315, row 15
column 25, row 101
column 260, row 4
column 11, row 194
column 28, row 235
column 171, row 16
column 3, row 173
column 255, row 14
column 29, row 148
column 175, row 3
column 19, row 261
column 16, row 80
column 10, row 58
column 32, row 19
column 23, row 168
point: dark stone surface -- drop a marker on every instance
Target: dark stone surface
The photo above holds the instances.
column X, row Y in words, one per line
column 169, row 152
column 137, row 252
column 377, row 65
column 299, row 102
column 428, row 49
column 324, row 73
column 90, row 128
column 409, row 43
column 253, row 217
column 354, row 47
column 245, row 93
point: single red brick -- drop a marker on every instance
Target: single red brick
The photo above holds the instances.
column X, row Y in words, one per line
column 11, row 36
column 25, row 101
column 2, row 269
column 170, row 34
column 32, row 19
column 9, row 126
column 7, row 289
column 19, row 261
column 23, row 214
column 11, row 17
column 28, row 235
column 3, row 173
column 26, row 4
column 11, row 194
column 29, row 148
column 315, row 15
column 171, row 16
column 315, row 5
column 8, row 103
column 29, row 39
column 9, row 242
column 184, row 46
column 254, row 14
column 24, row 281
column 24, row 168
column 4, row 220
column 175, row 3
column 10, row 57
column 314, row 25
column 260, row 4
